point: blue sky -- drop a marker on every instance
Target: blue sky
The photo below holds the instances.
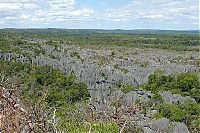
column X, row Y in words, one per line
column 100, row 14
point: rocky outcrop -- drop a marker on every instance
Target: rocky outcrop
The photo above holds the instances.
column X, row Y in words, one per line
column 168, row 97
column 15, row 118
column 99, row 78
column 178, row 127
column 101, row 71
column 160, row 125
column 163, row 125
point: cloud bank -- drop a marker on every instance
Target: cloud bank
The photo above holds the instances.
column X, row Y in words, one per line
column 134, row 14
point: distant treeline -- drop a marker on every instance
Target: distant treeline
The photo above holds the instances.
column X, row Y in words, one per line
column 176, row 40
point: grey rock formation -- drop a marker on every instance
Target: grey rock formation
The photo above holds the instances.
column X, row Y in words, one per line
column 168, row 97
column 178, row 127
column 129, row 98
column 147, row 130
column 138, row 63
column 160, row 125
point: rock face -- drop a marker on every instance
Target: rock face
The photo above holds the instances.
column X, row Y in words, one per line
column 147, row 130
column 179, row 128
column 129, row 98
column 164, row 126
column 15, row 118
column 168, row 97
column 160, row 125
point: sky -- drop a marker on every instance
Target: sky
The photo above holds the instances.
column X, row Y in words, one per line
column 100, row 14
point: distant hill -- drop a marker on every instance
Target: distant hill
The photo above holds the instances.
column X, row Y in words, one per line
column 82, row 31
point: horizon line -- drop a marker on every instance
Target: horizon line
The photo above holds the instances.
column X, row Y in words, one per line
column 103, row 29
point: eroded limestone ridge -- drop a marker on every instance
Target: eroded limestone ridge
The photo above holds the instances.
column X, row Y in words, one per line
column 16, row 119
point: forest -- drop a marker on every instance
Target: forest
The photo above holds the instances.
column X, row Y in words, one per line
column 175, row 40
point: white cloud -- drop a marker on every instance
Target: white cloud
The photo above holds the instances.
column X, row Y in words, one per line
column 59, row 5
column 63, row 10
column 10, row 6
column 153, row 16
column 154, row 9
column 17, row 1
column 15, row 7
column 29, row 11
column 115, row 15
column 53, row 11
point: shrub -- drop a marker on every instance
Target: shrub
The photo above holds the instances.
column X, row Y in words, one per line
column 106, row 127
column 127, row 88
column 182, row 83
column 187, row 112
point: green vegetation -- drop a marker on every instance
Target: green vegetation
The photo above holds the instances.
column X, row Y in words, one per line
column 166, row 40
column 35, row 80
column 187, row 113
column 48, row 89
column 118, row 84
column 104, row 75
column 102, row 60
column 73, row 121
column 45, row 88
column 124, row 70
column 142, row 63
column 75, row 55
column 187, row 84
column 105, row 127
column 127, row 88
